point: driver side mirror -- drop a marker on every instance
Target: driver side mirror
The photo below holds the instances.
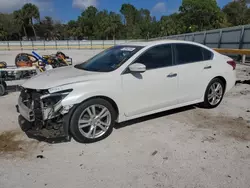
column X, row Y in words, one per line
column 137, row 67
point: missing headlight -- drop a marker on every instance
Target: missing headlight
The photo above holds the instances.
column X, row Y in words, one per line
column 52, row 106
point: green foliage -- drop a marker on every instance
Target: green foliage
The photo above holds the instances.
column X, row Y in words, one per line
column 8, row 27
column 237, row 12
column 131, row 23
column 200, row 15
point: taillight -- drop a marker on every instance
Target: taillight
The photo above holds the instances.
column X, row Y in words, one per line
column 232, row 63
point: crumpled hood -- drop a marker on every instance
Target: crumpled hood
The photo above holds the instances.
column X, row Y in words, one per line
column 60, row 76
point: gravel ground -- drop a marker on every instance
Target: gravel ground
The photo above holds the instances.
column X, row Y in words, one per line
column 188, row 147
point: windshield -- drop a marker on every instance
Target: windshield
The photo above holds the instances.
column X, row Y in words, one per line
column 109, row 59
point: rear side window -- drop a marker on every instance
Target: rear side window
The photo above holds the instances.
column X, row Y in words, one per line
column 187, row 53
column 207, row 55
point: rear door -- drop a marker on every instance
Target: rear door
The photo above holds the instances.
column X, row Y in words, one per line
column 194, row 69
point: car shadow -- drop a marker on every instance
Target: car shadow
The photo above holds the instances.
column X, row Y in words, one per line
column 153, row 116
column 40, row 138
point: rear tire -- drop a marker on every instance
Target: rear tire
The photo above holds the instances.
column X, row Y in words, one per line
column 92, row 121
column 214, row 93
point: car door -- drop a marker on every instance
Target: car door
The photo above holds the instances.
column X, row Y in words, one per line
column 194, row 67
column 156, row 87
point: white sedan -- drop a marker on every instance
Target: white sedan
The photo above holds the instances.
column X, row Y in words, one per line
column 122, row 83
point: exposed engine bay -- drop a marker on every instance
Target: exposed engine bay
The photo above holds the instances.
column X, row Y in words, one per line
column 42, row 113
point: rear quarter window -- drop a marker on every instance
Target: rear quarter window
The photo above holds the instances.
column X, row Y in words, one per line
column 207, row 55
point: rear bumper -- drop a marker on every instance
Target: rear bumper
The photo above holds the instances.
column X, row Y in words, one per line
column 231, row 80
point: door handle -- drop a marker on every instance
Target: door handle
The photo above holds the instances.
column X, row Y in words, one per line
column 171, row 75
column 208, row 67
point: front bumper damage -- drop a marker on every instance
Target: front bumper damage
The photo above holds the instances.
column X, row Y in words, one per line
column 43, row 117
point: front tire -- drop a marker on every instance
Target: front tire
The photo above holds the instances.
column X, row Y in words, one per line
column 214, row 93
column 92, row 121
column 2, row 89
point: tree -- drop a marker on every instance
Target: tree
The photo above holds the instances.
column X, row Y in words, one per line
column 237, row 13
column 8, row 27
column 74, row 30
column 145, row 22
column 101, row 27
column 129, row 12
column 131, row 18
column 30, row 13
column 59, row 30
column 201, row 14
column 46, row 27
column 113, row 24
column 172, row 25
column 20, row 20
column 87, row 21
column 131, row 23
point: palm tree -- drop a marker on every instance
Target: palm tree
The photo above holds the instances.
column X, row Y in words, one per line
column 20, row 20
column 31, row 12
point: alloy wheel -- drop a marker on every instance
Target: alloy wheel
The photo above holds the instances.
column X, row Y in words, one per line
column 94, row 121
column 215, row 93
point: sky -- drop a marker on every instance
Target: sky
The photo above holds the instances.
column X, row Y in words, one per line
column 65, row 10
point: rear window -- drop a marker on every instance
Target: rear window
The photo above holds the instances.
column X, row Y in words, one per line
column 187, row 53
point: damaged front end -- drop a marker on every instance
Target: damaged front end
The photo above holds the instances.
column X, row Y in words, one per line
column 42, row 115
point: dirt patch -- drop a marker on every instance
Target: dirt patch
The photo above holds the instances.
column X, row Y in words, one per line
column 12, row 145
column 236, row 128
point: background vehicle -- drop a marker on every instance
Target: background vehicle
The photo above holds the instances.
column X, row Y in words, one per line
column 123, row 83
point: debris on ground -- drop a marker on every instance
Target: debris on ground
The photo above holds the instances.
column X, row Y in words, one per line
column 243, row 82
column 208, row 139
column 40, row 157
column 81, row 154
column 154, row 153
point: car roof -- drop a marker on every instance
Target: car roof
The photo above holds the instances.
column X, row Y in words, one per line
column 153, row 43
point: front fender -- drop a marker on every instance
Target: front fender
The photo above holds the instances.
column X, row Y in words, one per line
column 84, row 91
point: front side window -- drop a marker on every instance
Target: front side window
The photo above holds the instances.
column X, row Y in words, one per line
column 109, row 59
column 187, row 53
column 157, row 57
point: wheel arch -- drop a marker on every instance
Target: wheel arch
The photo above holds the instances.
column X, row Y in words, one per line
column 110, row 100
column 219, row 77
column 67, row 118
column 223, row 80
